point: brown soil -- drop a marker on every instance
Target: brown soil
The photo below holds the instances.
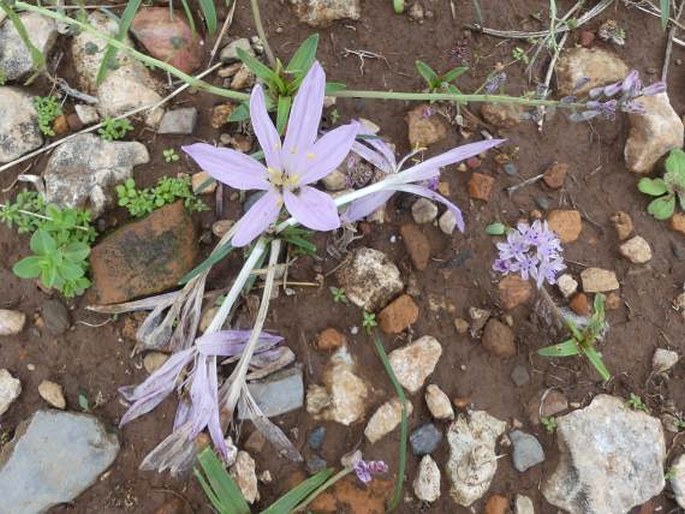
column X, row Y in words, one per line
column 96, row 359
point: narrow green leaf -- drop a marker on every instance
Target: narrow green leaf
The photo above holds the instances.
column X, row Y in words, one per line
column 209, row 13
column 652, row 187
column 596, row 361
column 334, row 87
column 210, row 261
column 665, row 12
column 111, row 52
column 454, row 73
column 565, row 349
column 226, row 492
column 290, row 500
column 189, row 16
column 28, row 267
column 662, row 208
column 304, row 57
column 42, row 242
column 431, row 78
column 282, row 112
column 260, row 69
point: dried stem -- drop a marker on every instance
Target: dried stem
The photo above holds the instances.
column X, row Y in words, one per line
column 556, row 313
column 260, row 31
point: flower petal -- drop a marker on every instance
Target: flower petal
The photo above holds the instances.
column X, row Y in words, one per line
column 263, row 213
column 264, row 129
column 424, row 191
column 326, row 154
column 305, row 115
column 312, row 208
column 365, row 206
column 374, row 157
column 229, row 166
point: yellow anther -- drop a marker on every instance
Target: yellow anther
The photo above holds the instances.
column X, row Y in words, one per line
column 310, row 155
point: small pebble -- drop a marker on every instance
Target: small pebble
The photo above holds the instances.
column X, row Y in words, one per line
column 52, row 393
column 511, row 169
column 520, row 375
column 316, row 436
column 542, row 202
column 425, row 439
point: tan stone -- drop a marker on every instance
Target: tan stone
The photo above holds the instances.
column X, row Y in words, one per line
column 566, row 223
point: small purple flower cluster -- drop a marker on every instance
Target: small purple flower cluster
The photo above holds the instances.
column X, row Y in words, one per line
column 495, row 82
column 620, row 96
column 531, row 251
column 365, row 469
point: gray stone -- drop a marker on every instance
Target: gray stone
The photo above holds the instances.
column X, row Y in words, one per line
column 316, row 436
column 447, row 222
column 370, row 279
column 314, row 463
column 19, row 132
column 425, row 439
column 83, row 171
column 282, row 392
column 54, row 457
column 10, row 389
column 15, row 57
column 424, row 211
column 528, row 451
column 321, row 13
column 520, row 375
column 87, row 114
column 178, row 121
column 11, row 322
column 678, row 480
column 229, row 53
column 510, row 169
column 663, row 360
column 612, row 459
column 523, row 505
column 427, row 481
column 472, row 462
column 56, row 316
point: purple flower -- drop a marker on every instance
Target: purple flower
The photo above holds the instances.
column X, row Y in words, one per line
column 531, row 251
column 291, row 166
column 495, row 82
column 365, row 469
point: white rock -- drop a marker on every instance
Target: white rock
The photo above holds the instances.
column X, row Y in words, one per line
column 589, row 68
column 386, row 419
column 611, row 460
column 154, row 360
column 663, row 360
column 10, row 389
column 427, row 481
column 424, row 211
column 523, row 505
column 414, row 362
column 15, row 57
column 11, row 322
column 472, row 462
column 87, row 114
column 52, row 393
column 653, row 134
column 245, row 475
column 636, row 250
column 19, row 132
column 598, row 280
column 321, row 13
column 447, row 222
column 567, row 285
column 232, row 452
column 439, row 403
column 678, row 480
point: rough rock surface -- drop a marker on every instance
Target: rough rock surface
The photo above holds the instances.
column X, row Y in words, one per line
column 612, row 459
column 598, row 280
column 528, row 451
column 398, row 315
column 321, row 13
column 678, row 481
column 386, row 419
column 83, row 171
column 636, row 250
column 144, row 257
column 598, row 65
column 11, row 322
column 244, row 473
column 52, row 393
column 427, row 481
column 10, row 389
column 472, row 462
column 15, row 57
column 370, row 279
column 123, row 89
column 54, row 457
column 19, row 132
column 425, row 126
column 438, row 403
column 414, row 362
column 653, row 134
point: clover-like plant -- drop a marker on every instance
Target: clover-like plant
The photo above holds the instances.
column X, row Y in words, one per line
column 582, row 341
column 667, row 190
column 114, row 129
column 440, row 83
column 48, row 109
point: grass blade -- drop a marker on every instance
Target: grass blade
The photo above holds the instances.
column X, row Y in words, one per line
column 261, row 70
column 282, row 112
column 290, row 500
column 427, row 73
column 189, row 16
column 209, row 13
column 219, row 486
column 596, row 361
column 124, row 25
column 206, row 264
column 665, row 12
column 566, row 349
column 455, row 73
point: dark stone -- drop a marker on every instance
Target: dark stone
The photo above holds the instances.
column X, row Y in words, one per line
column 425, row 439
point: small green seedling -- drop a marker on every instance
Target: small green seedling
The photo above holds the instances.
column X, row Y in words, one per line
column 582, row 342
column 48, row 109
column 549, row 423
column 300, row 238
column 338, row 294
column 140, row 202
column 170, row 155
column 113, row 130
column 636, row 403
column 519, row 54
column 440, row 83
column 335, row 116
column 670, row 474
column 496, row 229
column 669, row 189
column 369, row 321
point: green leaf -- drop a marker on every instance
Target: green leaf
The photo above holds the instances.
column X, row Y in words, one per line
column 665, row 12
column 49, row 275
column 662, row 208
column 596, row 361
column 454, row 73
column 675, row 162
column 210, row 261
column 262, row 71
column 496, row 229
column 76, row 252
column 652, row 187
column 111, row 52
column 282, row 112
column 240, row 113
column 290, row 500
column 304, row 57
column 189, row 16
column 42, row 242
column 431, row 78
column 334, row 87
column 565, row 349
column 219, row 486
column 70, row 271
column 29, row 267
column 209, row 12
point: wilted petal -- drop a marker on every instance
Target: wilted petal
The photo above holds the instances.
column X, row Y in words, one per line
column 263, row 213
column 312, row 208
column 365, row 206
column 375, row 158
column 305, row 115
column 264, row 129
column 326, row 154
column 229, row 343
column 432, row 195
column 654, row 89
column 229, row 166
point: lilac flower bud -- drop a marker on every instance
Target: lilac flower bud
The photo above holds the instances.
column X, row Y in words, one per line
column 654, row 89
column 632, row 84
column 366, row 469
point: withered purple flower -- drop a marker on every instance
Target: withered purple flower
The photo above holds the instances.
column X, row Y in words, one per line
column 365, row 469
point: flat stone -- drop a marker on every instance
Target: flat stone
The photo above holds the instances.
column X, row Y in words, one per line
column 636, row 250
column 503, row 116
column 498, row 339
column 202, row 183
column 427, row 482
column 447, row 222
column 555, row 175
column 370, row 279
column 567, row 285
column 229, row 53
column 244, row 473
column 424, row 211
column 399, row 315
column 19, row 132
column 10, row 389
column 438, row 403
column 330, row 339
column 279, row 394
column 53, row 458
column 425, row 439
column 678, row 480
column 566, row 224
column 653, row 134
column 663, row 360
column 514, row 291
column 480, row 186
column 144, row 257
column 580, row 304
column 52, row 393
column 426, row 126
column 581, row 69
column 321, row 13
column 677, row 223
column 243, row 79
column 178, row 121
column 598, row 280
column 523, row 505
column 528, row 451
column 413, row 363
column 472, row 460
column 386, row 419
column 87, row 114
column 84, row 171
column 56, row 316
column 15, row 57
column 11, row 322
column 612, row 459
column 520, row 375
column 417, row 245
column 623, row 224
